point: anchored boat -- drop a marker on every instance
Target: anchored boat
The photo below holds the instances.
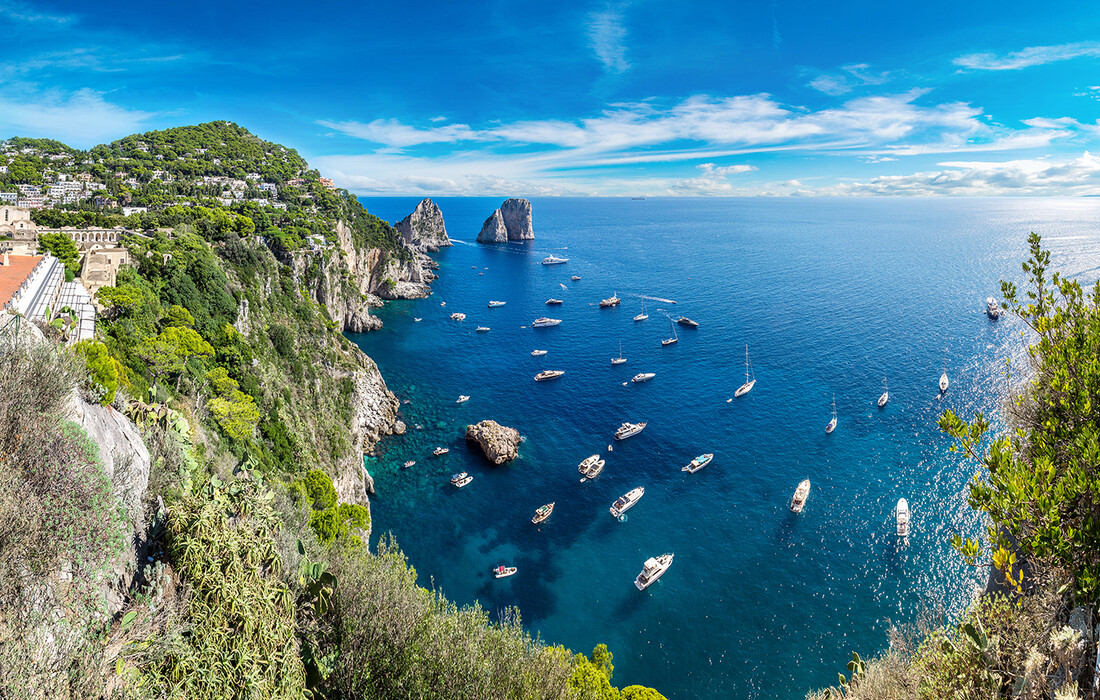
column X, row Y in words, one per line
column 629, row 430
column 458, row 316
column 643, row 377
column 538, row 353
column 461, row 479
column 483, row 329
column 612, row 300
column 685, row 321
column 698, row 463
column 544, row 321
column 503, row 571
column 673, row 339
column 440, row 451
column 620, row 359
column 548, row 374
column 798, row 501
column 553, row 302
column 542, row 513
column 885, row 394
column 832, row 423
column 652, row 570
column 903, row 517
column 627, row 501
column 493, row 304
column 642, row 316
column 992, row 308
column 551, row 260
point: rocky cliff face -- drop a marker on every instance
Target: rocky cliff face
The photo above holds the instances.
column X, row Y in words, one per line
column 517, row 219
column 373, row 416
column 493, row 230
column 424, row 230
column 498, row 443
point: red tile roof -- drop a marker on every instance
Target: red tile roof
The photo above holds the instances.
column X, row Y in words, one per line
column 15, row 273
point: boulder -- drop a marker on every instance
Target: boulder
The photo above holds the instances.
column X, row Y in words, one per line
column 424, row 230
column 498, row 443
column 493, row 230
column 517, row 219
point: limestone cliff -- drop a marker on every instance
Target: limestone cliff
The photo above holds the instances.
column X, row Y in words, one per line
column 493, row 230
column 517, row 219
column 424, row 230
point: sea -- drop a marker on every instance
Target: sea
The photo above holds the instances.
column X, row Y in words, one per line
column 832, row 297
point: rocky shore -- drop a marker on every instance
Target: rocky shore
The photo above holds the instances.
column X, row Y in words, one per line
column 498, row 443
column 512, row 222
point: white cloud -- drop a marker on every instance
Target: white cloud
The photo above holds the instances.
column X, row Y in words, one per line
column 1031, row 56
column 391, row 132
column 607, row 39
column 22, row 12
column 855, row 75
column 82, row 118
column 713, row 181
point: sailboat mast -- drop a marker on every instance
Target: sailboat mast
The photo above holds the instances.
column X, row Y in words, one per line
column 746, row 363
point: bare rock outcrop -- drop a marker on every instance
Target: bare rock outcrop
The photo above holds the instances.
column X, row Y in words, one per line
column 498, row 443
column 493, row 230
column 517, row 219
column 424, row 230
column 373, row 416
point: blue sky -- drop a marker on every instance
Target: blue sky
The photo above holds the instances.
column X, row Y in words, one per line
column 578, row 98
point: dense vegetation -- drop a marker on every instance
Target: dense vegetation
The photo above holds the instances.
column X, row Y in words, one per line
column 256, row 582
column 1040, row 488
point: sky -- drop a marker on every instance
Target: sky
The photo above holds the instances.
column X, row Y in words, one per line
column 576, row 97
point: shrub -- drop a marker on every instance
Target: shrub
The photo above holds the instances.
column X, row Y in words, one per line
column 320, row 489
column 104, row 371
column 282, row 340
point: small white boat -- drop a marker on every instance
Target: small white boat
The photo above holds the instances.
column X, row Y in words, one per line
column 627, row 501
column 652, row 570
column 483, row 329
column 544, row 322
column 620, row 359
column 642, row 316
column 503, row 571
column 885, row 394
column 551, row 260
column 442, row 303
column 458, row 316
column 629, row 430
column 992, row 308
column 612, row 300
column 462, row 398
column 944, row 382
column 903, row 517
column 538, row 353
column 643, row 377
column 455, row 478
column 832, row 423
column 418, row 320
column 553, row 302
column 494, row 304
column 747, row 386
column 463, row 481
column 441, row 451
column 548, row 374
column 673, row 339
column 698, row 463
column 593, row 471
column 798, row 501
column 410, row 463
column 587, row 462
column 575, row 277
column 542, row 513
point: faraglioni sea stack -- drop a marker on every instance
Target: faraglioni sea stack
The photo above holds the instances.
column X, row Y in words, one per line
column 423, row 229
column 512, row 222
column 498, row 443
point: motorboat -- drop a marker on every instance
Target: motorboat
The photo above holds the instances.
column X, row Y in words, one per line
column 643, row 377
column 493, row 304
column 620, row 359
column 441, row 451
column 885, row 394
column 442, row 303
column 652, row 570
column 587, row 462
column 747, row 386
column 629, row 430
column 455, row 478
column 483, row 329
column 553, row 302
column 612, row 300
column 685, row 321
column 594, row 469
column 548, row 374
column 575, row 277
column 417, row 320
column 832, row 423
column 673, row 339
column 992, row 308
column 903, row 517
column 627, row 501
column 462, row 398
column 544, row 322
column 458, row 316
column 698, row 463
column 552, row 260
column 542, row 513
column 503, row 571
column 410, row 463
column 944, row 382
column 538, row 353
column 463, row 481
column 798, row 501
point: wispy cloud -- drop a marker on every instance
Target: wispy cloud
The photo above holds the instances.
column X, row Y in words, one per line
column 82, row 118
column 22, row 12
column 853, row 75
column 1031, row 56
column 607, row 38
column 714, row 180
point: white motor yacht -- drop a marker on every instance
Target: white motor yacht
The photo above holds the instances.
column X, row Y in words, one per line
column 538, row 353
column 483, row 329
column 652, row 570
column 903, row 517
column 548, row 374
column 493, row 304
column 458, row 316
column 544, row 321
column 643, row 377
column 463, row 481
column 627, row 501
column 587, row 462
column 551, row 260
column 553, row 302
column 629, row 430
column 462, row 398
column 992, row 308
column 798, row 501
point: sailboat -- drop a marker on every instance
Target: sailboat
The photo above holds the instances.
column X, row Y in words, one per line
column 620, row 359
column 747, row 386
column 673, row 339
column 943, row 377
column 885, row 394
column 832, row 424
column 642, row 316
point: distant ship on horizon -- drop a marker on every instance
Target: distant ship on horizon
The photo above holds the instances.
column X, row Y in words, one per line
column 637, row 197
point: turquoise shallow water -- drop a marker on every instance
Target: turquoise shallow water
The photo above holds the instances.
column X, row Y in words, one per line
column 830, row 295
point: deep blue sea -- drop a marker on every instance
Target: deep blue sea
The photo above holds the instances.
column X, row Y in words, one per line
column 831, row 296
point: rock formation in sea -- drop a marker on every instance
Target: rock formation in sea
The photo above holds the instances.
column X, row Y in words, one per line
column 498, row 443
column 517, row 219
column 512, row 222
column 423, row 230
column 493, row 230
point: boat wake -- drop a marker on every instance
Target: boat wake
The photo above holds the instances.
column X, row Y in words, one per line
column 666, row 301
